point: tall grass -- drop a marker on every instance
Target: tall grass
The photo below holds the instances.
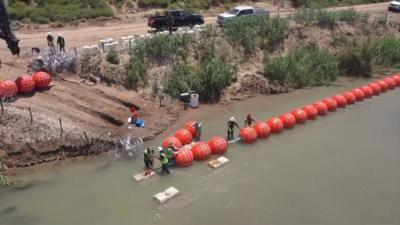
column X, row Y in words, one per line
column 329, row 19
column 387, row 51
column 327, row 3
column 303, row 67
column 356, row 59
column 4, row 181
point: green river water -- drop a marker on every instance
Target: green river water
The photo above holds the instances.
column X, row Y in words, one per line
column 341, row 169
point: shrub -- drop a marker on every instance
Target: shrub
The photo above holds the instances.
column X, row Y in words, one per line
column 357, row 59
column 273, row 33
column 387, row 52
column 179, row 80
column 136, row 71
column 303, row 67
column 3, row 177
column 113, row 57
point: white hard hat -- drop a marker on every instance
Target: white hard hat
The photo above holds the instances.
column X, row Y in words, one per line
column 49, row 33
column 59, row 35
column 232, row 119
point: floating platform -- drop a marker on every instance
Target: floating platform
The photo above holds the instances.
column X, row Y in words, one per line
column 220, row 161
column 143, row 176
column 166, row 195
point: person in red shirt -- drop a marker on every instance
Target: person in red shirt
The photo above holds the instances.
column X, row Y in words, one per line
column 135, row 115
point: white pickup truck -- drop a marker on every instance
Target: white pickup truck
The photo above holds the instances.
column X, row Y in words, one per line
column 240, row 11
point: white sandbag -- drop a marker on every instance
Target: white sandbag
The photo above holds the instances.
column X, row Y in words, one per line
column 220, row 161
column 143, row 176
column 166, row 195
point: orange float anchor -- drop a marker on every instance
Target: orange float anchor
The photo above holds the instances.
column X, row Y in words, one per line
column 184, row 158
column 390, row 82
column 359, row 94
column 41, row 79
column 218, row 145
column 350, row 97
column 184, row 136
column 331, row 103
column 384, row 85
column 190, row 126
column 8, row 89
column 263, row 129
column 376, row 88
column 172, row 140
column 311, row 112
column 276, row 125
column 248, row 135
column 321, row 107
column 201, row 151
column 288, row 120
column 25, row 84
column 396, row 78
column 299, row 115
column 340, row 100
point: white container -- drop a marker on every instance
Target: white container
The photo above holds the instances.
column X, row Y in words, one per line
column 194, row 100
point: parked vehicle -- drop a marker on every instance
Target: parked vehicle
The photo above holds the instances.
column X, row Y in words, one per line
column 179, row 19
column 394, row 6
column 240, row 11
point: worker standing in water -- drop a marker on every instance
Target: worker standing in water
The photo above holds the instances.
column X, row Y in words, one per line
column 231, row 126
column 50, row 42
column 249, row 120
column 148, row 160
column 61, row 42
column 197, row 126
column 164, row 162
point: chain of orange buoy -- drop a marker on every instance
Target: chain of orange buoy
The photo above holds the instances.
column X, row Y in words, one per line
column 189, row 151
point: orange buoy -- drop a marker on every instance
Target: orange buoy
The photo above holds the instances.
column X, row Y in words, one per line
column 390, row 82
column 201, row 151
column 41, row 79
column 184, row 158
column 25, row 84
column 276, row 125
column 359, row 94
column 396, row 78
column 8, row 89
column 184, row 136
column 331, row 103
column 311, row 112
column 340, row 100
column 368, row 92
column 172, row 140
column 376, row 88
column 384, row 85
column 299, row 115
column 321, row 107
column 190, row 127
column 288, row 120
column 218, row 145
column 248, row 135
column 263, row 129
column 350, row 97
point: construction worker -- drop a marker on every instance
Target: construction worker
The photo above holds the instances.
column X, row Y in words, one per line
column 135, row 115
column 61, row 42
column 197, row 126
column 148, row 160
column 249, row 120
column 164, row 162
column 231, row 126
column 50, row 42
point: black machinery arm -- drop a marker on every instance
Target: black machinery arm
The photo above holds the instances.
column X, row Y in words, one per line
column 6, row 32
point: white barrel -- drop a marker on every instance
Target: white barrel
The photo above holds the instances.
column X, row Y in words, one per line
column 194, row 100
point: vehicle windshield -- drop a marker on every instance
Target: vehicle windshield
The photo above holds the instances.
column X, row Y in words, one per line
column 234, row 11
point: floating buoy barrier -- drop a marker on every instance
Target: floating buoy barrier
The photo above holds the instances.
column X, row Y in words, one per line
column 276, row 125
column 321, row 107
column 8, row 89
column 25, row 84
column 201, row 151
column 248, row 135
column 340, row 100
column 396, row 78
column 184, row 158
column 311, row 112
column 331, row 103
column 263, row 129
column 190, row 127
column 359, row 94
column 288, row 120
column 383, row 84
column 299, row 115
column 218, row 145
column 184, row 136
column 368, row 92
column 350, row 97
column 376, row 88
column 172, row 140
column 41, row 80
column 390, row 82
